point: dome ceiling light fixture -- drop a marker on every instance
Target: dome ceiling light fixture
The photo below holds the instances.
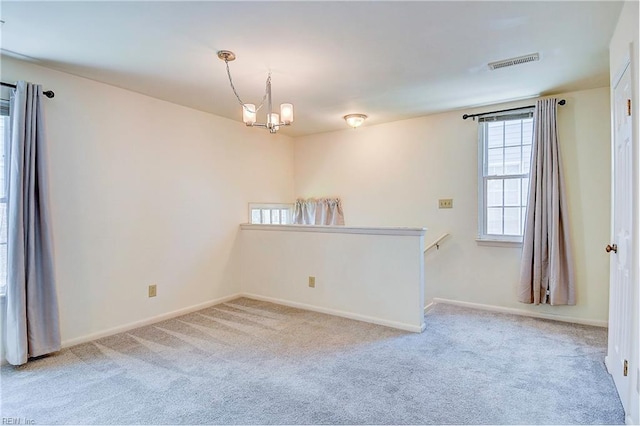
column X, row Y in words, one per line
column 274, row 121
column 354, row 120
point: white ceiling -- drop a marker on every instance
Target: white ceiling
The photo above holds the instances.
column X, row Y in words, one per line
column 391, row 60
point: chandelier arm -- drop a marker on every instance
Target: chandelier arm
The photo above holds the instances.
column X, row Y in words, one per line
column 280, row 124
column 235, row 92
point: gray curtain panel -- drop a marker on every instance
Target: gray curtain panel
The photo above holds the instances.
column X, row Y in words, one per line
column 31, row 315
column 546, row 271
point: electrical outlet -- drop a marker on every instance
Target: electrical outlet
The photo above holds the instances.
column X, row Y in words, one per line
column 312, row 282
column 152, row 290
column 445, row 203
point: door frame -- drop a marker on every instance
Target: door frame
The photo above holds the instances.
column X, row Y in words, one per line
column 633, row 392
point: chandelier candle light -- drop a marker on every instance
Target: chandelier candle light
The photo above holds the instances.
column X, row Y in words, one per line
column 274, row 121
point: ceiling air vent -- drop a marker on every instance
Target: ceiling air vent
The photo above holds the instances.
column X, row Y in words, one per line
column 514, row 61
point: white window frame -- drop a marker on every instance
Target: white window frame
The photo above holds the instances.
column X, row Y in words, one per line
column 483, row 237
column 270, row 207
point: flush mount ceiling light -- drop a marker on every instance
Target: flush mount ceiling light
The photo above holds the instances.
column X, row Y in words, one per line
column 354, row 120
column 274, row 121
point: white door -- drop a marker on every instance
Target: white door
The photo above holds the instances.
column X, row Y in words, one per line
column 621, row 247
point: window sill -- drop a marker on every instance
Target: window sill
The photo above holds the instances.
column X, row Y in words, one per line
column 498, row 243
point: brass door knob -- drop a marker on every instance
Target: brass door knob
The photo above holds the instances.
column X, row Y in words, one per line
column 611, row 248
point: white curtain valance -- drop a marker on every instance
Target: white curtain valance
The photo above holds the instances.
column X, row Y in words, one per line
column 318, row 211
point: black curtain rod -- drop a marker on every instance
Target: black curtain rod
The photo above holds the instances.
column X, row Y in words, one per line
column 464, row 117
column 48, row 93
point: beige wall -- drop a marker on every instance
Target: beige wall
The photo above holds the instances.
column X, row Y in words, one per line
column 393, row 174
column 368, row 274
column 144, row 191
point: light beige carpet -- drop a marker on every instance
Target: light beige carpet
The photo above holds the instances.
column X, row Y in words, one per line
column 251, row 362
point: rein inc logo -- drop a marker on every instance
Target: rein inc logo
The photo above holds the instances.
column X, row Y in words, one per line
column 17, row 421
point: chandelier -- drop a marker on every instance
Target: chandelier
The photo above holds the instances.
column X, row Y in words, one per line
column 249, row 111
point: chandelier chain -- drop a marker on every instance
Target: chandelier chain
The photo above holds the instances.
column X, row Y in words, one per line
column 235, row 92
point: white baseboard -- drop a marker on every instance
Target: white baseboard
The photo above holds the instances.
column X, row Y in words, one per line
column 521, row 312
column 393, row 324
column 187, row 310
column 428, row 307
column 147, row 321
column 344, row 314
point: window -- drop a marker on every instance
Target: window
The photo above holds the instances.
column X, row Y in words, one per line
column 504, row 161
column 4, row 147
column 270, row 214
